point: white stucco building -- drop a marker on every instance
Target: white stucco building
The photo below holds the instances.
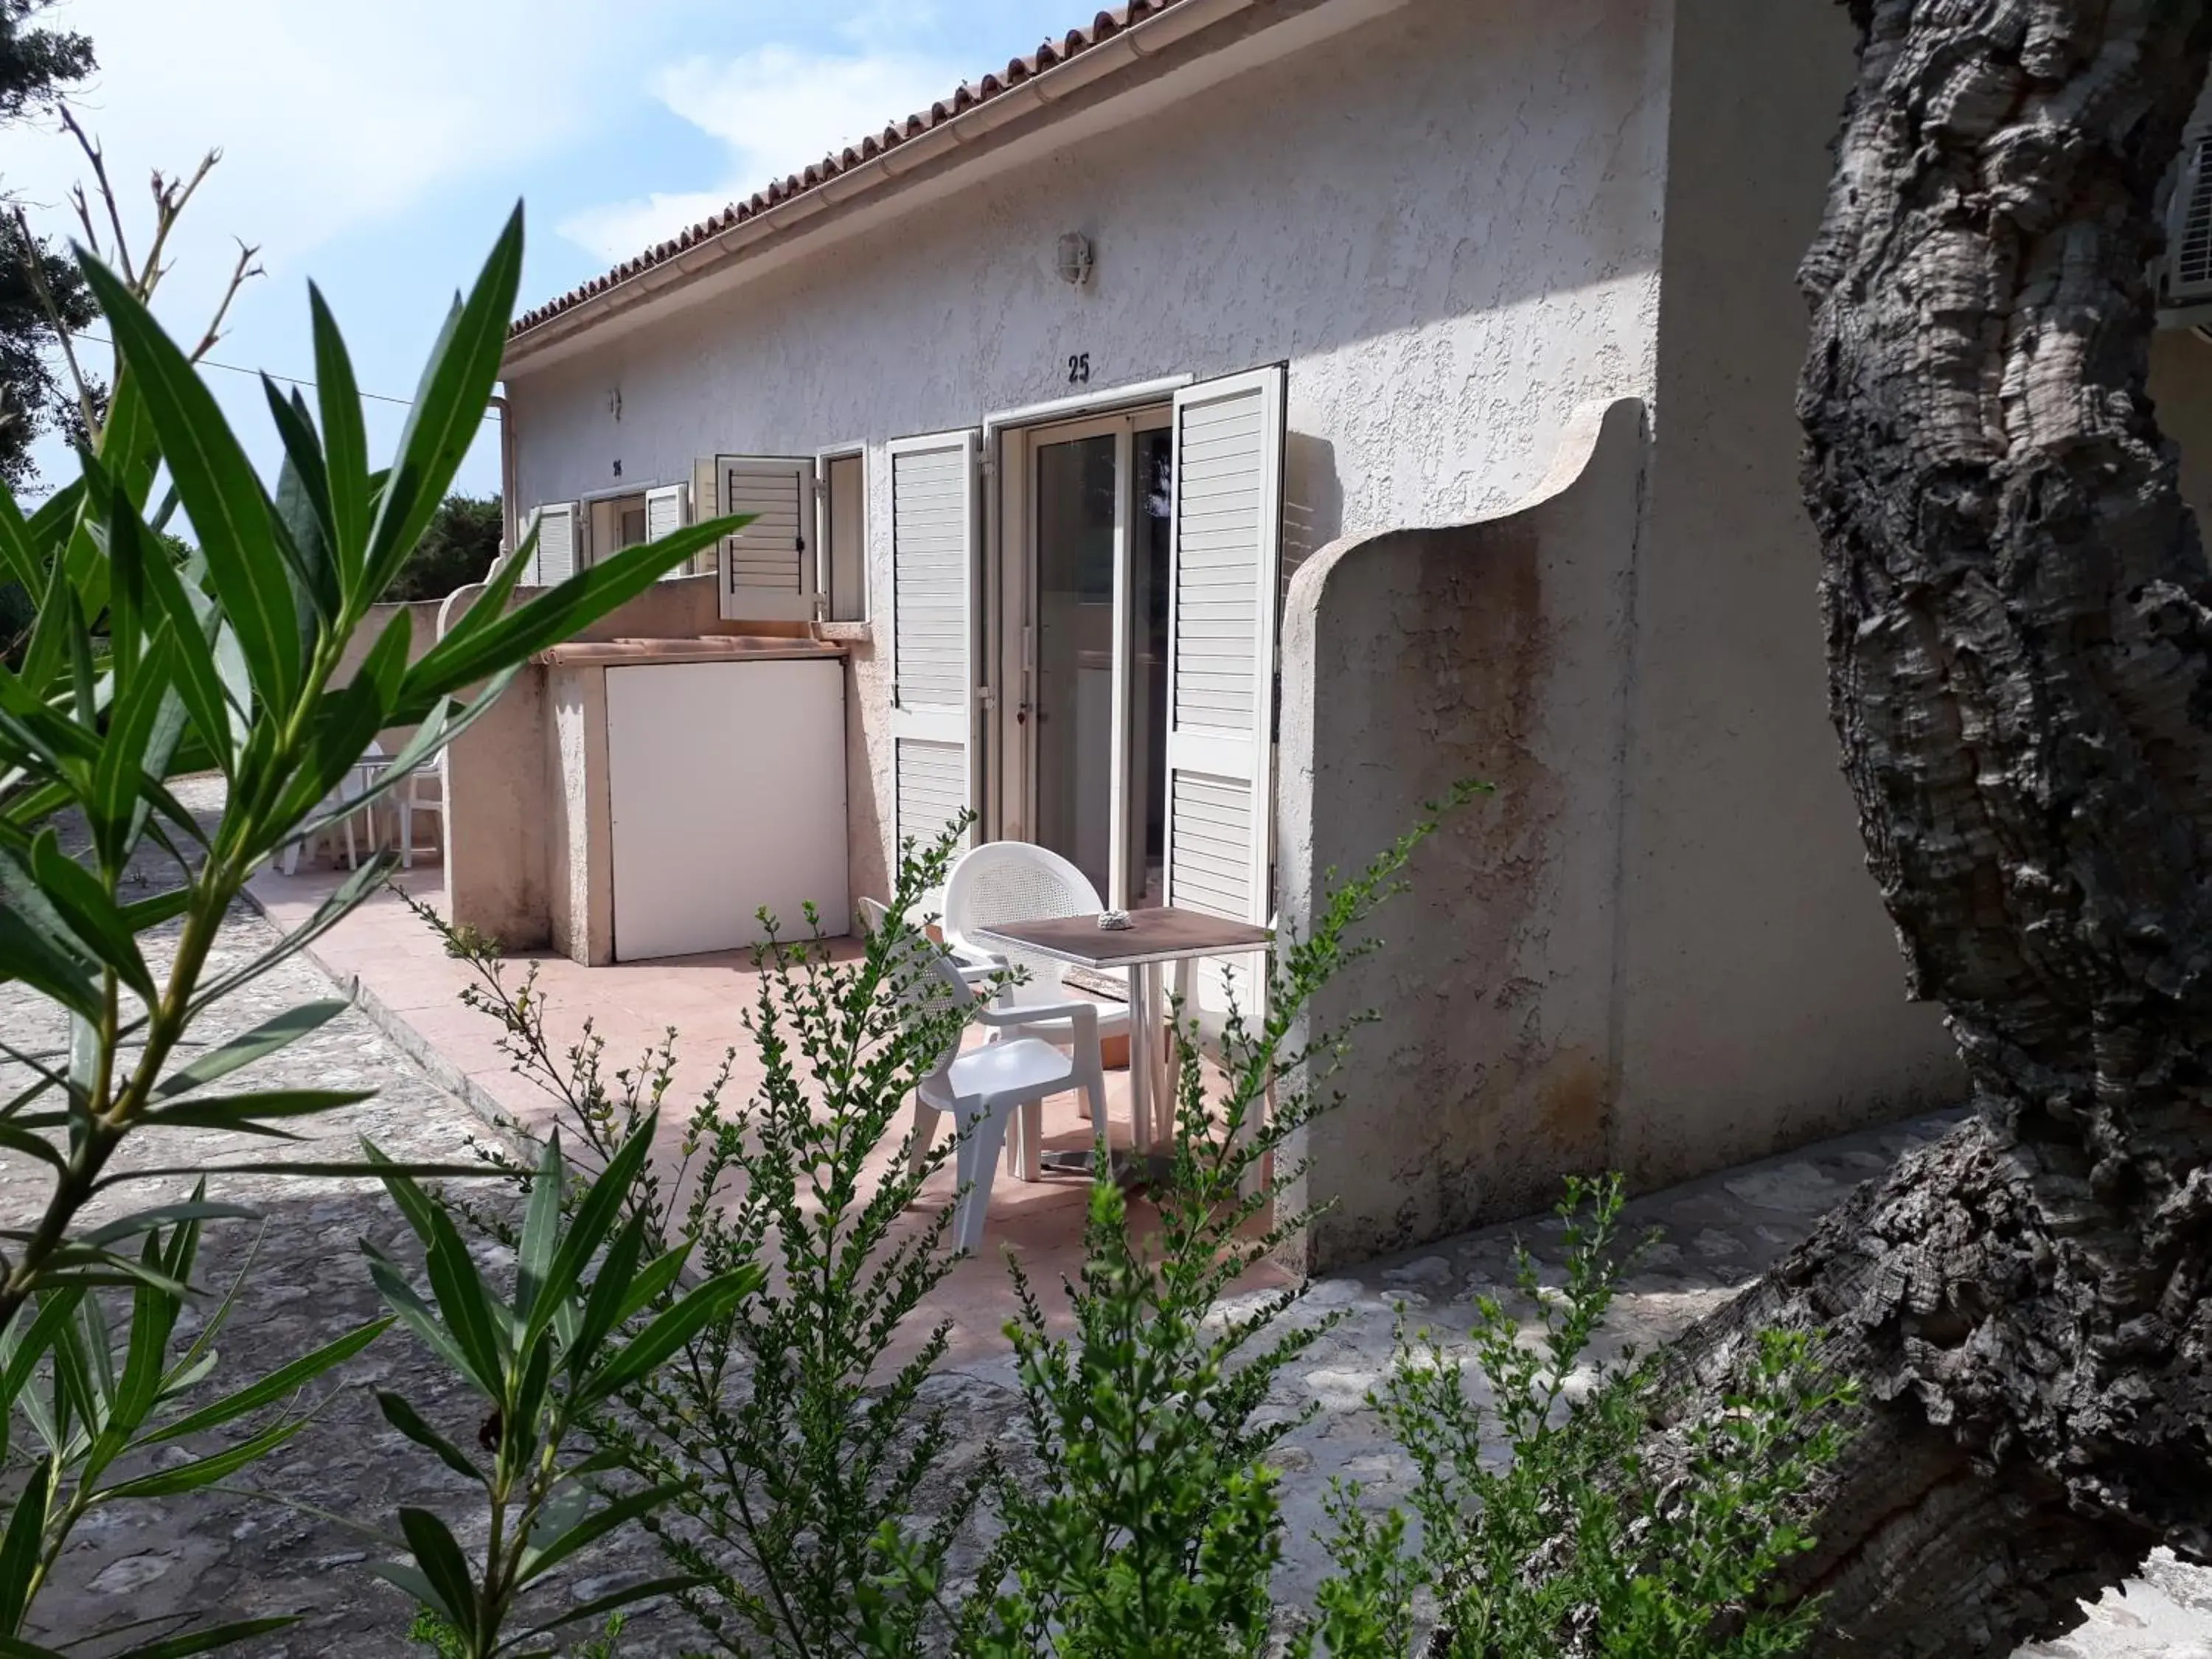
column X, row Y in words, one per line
column 1217, row 432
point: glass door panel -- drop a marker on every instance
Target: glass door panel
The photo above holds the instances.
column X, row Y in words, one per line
column 1153, row 485
column 1071, row 709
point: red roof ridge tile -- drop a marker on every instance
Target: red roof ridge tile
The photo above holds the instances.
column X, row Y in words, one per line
column 966, row 97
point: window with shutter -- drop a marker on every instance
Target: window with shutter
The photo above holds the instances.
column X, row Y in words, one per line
column 841, row 535
column 1225, row 550
column 934, row 524
column 665, row 516
column 555, row 559
column 768, row 568
column 2189, row 271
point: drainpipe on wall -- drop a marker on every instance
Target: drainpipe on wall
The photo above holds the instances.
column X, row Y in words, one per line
column 507, row 508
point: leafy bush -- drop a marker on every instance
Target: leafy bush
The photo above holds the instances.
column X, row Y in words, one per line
column 544, row 1360
column 144, row 664
column 802, row 1454
column 1148, row 1520
column 1576, row 1547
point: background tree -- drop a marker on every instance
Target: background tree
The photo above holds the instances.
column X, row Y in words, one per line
column 457, row 549
column 2019, row 616
column 37, row 65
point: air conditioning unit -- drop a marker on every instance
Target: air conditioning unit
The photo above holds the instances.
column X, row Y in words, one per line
column 2189, row 226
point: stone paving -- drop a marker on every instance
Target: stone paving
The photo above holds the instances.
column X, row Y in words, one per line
column 282, row 1547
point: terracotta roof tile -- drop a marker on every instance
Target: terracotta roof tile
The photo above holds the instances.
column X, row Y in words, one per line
column 1102, row 27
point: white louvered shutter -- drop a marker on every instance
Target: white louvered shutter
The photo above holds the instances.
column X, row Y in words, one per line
column 556, row 545
column 665, row 516
column 1227, row 547
column 2189, row 271
column 933, row 523
column 705, row 492
column 768, row 568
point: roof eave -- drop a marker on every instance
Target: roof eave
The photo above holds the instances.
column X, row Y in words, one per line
column 1040, row 98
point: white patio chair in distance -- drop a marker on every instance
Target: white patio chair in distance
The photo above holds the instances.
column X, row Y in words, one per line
column 351, row 788
column 423, row 790
column 985, row 1087
column 1014, row 881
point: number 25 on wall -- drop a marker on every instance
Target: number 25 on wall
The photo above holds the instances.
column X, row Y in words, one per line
column 1078, row 368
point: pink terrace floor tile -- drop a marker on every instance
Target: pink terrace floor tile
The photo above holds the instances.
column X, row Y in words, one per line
column 397, row 969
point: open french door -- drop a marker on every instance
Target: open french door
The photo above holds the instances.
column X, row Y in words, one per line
column 934, row 518
column 1226, row 558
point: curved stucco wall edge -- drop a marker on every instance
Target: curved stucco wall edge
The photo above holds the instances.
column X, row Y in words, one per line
column 1572, row 458
column 1498, row 648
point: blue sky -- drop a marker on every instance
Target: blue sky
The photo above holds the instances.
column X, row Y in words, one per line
column 376, row 148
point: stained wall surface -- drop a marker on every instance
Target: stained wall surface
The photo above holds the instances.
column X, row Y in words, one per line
column 1495, row 651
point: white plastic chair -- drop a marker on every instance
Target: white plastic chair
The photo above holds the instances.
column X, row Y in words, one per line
column 423, row 790
column 1014, row 881
column 351, row 788
column 988, row 1086
column 874, row 913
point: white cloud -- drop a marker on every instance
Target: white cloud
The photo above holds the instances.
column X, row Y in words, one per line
column 778, row 109
column 330, row 117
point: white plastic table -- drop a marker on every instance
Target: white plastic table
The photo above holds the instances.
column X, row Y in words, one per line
column 1153, row 938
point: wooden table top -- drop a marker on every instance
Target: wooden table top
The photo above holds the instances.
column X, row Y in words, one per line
column 1162, row 934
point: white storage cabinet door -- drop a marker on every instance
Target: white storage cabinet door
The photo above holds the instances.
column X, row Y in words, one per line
column 726, row 781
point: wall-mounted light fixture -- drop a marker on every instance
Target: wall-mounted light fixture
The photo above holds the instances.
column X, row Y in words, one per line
column 1075, row 259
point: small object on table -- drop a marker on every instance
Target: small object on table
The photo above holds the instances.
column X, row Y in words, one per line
column 1153, row 937
column 1115, row 922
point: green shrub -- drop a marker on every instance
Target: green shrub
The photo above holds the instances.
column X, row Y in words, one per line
column 1138, row 1513
column 1576, row 1547
column 805, row 1459
column 591, row 1313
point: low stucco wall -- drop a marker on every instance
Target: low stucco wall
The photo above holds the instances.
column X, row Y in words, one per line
column 422, row 634
column 1411, row 660
column 1538, row 1012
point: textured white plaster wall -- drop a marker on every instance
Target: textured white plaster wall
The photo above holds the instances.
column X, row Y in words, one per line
column 1446, row 219
column 1763, row 1000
